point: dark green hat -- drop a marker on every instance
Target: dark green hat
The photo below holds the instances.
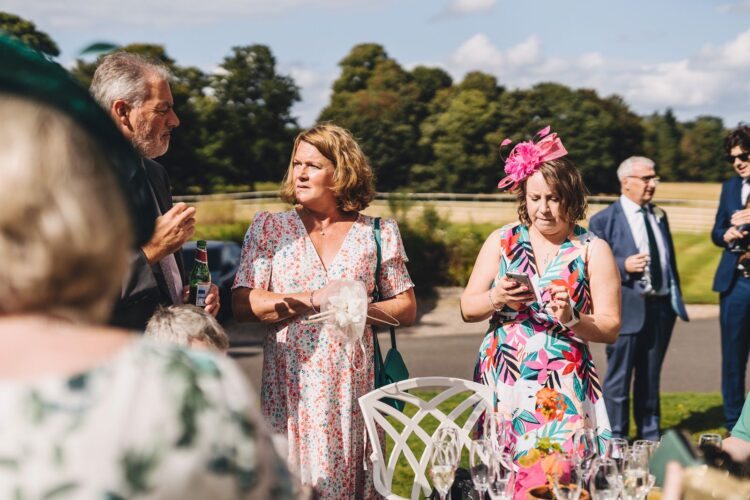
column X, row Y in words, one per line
column 27, row 73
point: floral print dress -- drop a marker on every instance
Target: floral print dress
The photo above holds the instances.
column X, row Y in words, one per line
column 544, row 377
column 153, row 422
column 310, row 388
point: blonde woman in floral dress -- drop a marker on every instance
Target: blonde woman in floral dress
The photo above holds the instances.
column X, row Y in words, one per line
column 536, row 353
column 310, row 387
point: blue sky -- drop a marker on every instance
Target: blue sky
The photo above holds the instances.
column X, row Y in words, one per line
column 690, row 55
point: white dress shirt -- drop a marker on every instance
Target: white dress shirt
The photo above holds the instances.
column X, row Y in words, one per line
column 637, row 227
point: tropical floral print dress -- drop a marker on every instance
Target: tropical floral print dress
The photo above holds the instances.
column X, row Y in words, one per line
column 154, row 422
column 310, row 388
column 543, row 376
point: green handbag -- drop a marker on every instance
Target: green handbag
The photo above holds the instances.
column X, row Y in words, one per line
column 393, row 369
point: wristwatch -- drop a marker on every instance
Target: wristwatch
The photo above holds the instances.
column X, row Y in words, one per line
column 574, row 320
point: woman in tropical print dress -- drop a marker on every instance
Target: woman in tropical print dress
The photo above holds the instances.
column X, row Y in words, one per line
column 536, row 353
column 310, row 387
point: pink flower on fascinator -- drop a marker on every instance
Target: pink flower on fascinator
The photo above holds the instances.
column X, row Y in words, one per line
column 526, row 157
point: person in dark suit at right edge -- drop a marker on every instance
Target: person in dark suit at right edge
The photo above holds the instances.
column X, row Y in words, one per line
column 136, row 94
column 732, row 279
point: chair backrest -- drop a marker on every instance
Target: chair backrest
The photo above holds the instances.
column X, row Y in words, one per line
column 475, row 399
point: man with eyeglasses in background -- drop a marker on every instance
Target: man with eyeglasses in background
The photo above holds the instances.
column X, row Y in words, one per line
column 732, row 279
column 638, row 233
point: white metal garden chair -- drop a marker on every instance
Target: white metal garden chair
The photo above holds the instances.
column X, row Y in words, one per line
column 476, row 399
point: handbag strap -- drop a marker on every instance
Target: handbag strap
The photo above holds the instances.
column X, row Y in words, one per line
column 376, row 295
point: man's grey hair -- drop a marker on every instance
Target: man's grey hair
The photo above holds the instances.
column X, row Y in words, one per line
column 125, row 76
column 183, row 324
column 626, row 167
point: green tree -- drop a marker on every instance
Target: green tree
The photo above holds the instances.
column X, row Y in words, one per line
column 702, row 150
column 598, row 133
column 27, row 32
column 250, row 121
column 662, row 144
column 379, row 102
column 462, row 135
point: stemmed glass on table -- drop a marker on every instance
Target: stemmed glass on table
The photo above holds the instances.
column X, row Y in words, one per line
column 502, row 477
column 605, row 483
column 480, row 459
column 636, row 481
column 446, row 453
column 585, row 450
column 567, row 482
column 442, row 467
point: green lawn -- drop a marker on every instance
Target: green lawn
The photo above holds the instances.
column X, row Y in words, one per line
column 695, row 412
column 697, row 259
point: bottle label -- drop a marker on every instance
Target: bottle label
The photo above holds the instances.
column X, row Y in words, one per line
column 201, row 256
column 201, row 291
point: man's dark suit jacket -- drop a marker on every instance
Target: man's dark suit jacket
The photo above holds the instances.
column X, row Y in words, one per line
column 612, row 226
column 729, row 202
column 144, row 288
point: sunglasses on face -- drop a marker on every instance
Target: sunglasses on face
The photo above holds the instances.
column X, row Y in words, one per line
column 742, row 157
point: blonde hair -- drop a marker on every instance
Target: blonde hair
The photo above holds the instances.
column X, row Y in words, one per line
column 353, row 180
column 185, row 324
column 64, row 232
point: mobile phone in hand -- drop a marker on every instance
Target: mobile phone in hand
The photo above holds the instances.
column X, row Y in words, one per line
column 525, row 280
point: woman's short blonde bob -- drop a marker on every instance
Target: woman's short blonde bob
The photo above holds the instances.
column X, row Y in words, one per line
column 353, row 180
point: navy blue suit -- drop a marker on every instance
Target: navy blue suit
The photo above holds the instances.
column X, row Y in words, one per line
column 734, row 298
column 645, row 330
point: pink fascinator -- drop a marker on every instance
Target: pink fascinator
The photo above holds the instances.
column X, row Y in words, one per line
column 526, row 157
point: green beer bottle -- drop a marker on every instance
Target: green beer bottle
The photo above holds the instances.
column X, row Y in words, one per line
column 200, row 277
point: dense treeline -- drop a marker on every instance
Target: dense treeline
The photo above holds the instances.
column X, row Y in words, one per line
column 421, row 130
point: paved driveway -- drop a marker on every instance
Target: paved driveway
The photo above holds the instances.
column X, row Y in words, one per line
column 441, row 344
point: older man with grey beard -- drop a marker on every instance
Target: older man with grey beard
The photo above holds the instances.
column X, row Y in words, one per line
column 137, row 95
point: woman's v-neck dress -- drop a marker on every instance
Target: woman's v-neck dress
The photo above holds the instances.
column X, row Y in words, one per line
column 542, row 374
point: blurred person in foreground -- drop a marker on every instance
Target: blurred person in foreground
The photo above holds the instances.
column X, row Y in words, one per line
column 188, row 326
column 136, row 94
column 290, row 260
column 89, row 411
column 732, row 279
column 638, row 232
column 536, row 354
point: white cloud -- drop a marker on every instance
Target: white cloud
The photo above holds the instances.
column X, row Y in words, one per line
column 715, row 80
column 315, row 90
column 457, row 8
column 741, row 6
column 470, row 6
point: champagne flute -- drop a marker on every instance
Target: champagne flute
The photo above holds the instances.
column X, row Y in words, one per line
column 605, row 479
column 616, row 449
column 649, row 446
column 449, row 437
column 566, row 481
column 442, row 468
column 635, row 474
column 494, row 430
column 502, row 477
column 585, row 450
column 481, row 456
column 710, row 440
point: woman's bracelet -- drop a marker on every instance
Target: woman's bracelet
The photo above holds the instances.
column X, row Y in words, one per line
column 492, row 304
column 312, row 304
